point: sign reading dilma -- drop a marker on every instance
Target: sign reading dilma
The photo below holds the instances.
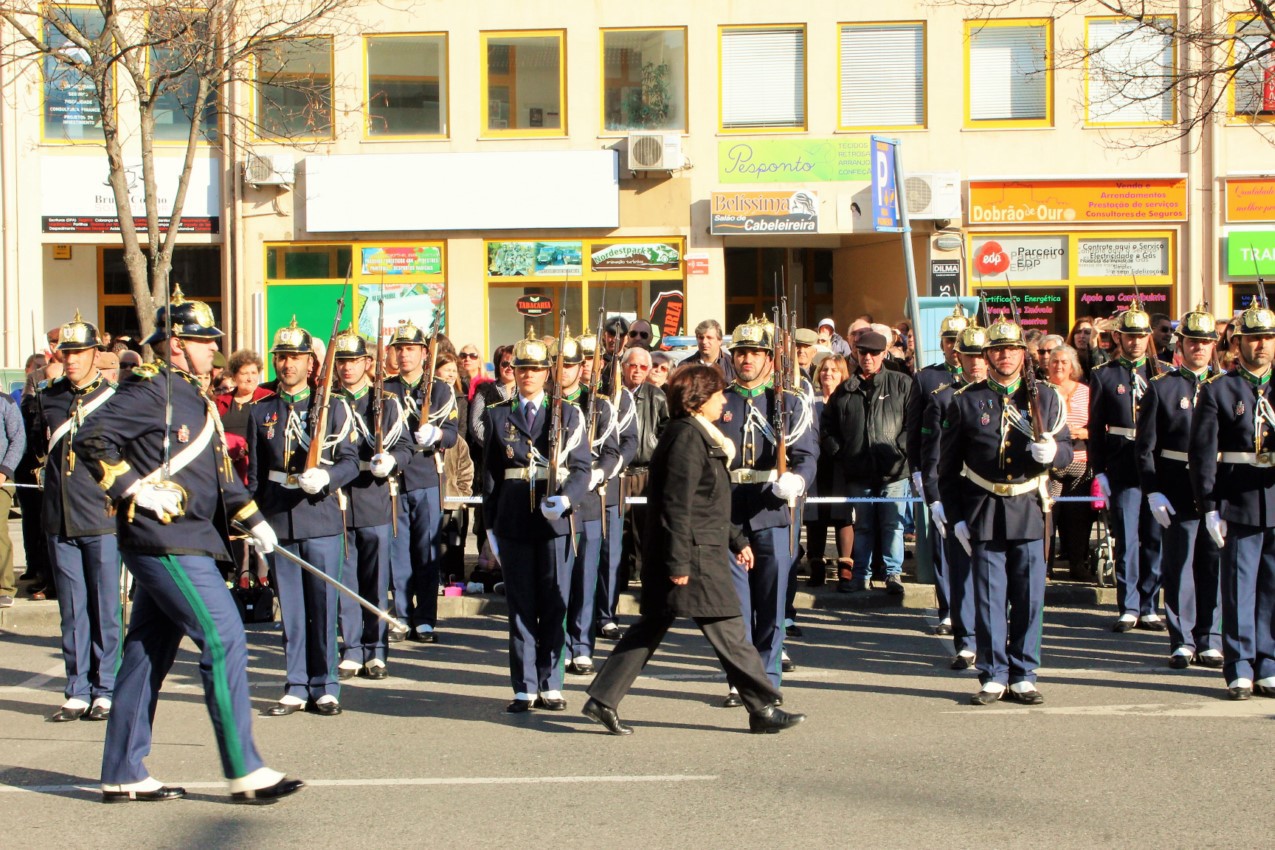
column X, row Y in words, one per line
column 885, row 190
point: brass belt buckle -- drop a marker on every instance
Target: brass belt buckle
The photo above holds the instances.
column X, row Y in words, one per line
column 1263, row 458
column 291, row 480
column 746, row 476
column 1001, row 489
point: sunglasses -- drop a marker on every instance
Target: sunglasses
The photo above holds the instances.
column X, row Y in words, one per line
column 465, row 355
column 506, row 364
column 863, row 352
column 639, row 335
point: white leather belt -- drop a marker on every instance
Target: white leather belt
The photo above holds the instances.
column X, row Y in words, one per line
column 288, row 480
column 753, row 476
column 1263, row 460
column 1127, row 433
column 522, row 473
column 365, row 465
column 1007, row 488
column 1172, row 455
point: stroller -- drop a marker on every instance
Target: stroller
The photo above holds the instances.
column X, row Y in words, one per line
column 1102, row 549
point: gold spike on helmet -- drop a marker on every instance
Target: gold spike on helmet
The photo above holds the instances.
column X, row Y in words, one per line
column 531, row 352
column 77, row 335
column 971, row 340
column 350, row 346
column 1198, row 324
column 1257, row 320
column 1134, row 321
column 1003, row 333
column 292, row 340
column 755, row 333
column 954, row 324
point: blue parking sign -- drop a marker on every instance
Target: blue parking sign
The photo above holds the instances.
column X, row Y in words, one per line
column 885, row 190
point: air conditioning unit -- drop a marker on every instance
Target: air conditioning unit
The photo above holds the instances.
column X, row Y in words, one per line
column 277, row 169
column 655, row 151
column 933, row 194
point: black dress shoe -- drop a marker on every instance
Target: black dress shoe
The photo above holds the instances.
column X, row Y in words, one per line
column 66, row 715
column 986, row 697
column 1153, row 625
column 330, row 708
column 377, row 672
column 396, row 637
column 1213, row 662
column 422, row 637
column 771, row 720
column 99, row 712
column 579, row 669
column 344, row 673
column 732, row 701
column 793, row 631
column 595, row 710
column 518, row 706
column 282, row 709
column 943, row 629
column 1032, row 697
column 278, row 791
column 1179, row 662
column 1123, row 625
column 550, row 704
column 610, row 631
column 1264, row 690
column 158, row 795
column 962, row 662
column 1239, row 693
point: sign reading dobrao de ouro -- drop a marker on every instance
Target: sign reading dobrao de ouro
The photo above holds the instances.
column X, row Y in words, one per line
column 1094, row 200
column 739, row 213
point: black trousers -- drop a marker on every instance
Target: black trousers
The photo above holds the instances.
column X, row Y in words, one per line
column 739, row 658
column 634, row 484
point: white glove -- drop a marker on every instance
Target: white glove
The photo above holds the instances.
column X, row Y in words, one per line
column 1104, row 486
column 940, row 518
column 1043, row 450
column 263, row 537
column 164, row 502
column 553, row 507
column 1161, row 510
column 491, row 543
column 314, row 480
column 962, row 532
column 1216, row 527
column 917, row 489
column 788, row 486
column 382, row 464
column 427, row 435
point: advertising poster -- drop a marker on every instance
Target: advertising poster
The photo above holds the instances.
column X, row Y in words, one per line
column 1038, row 307
column 666, row 314
column 635, row 256
column 1122, row 257
column 1100, row 301
column 945, row 278
column 1250, row 199
column 405, row 260
column 1031, row 257
column 419, row 302
column 539, row 259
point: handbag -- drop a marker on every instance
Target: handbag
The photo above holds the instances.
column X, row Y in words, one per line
column 254, row 600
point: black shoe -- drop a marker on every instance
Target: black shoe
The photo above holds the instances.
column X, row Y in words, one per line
column 1264, row 690
column 66, row 715
column 576, row 668
column 518, row 706
column 732, row 701
column 158, row 795
column 852, row 585
column 1032, row 697
column 99, row 712
column 962, row 662
column 793, row 631
column 1179, row 662
column 595, row 710
column 771, row 720
column 344, row 673
column 278, row 791
column 282, row 709
column 550, row 704
column 396, row 637
column 1153, row 625
column 943, row 629
column 986, row 698
column 818, row 577
column 788, row 665
column 610, row 631
column 376, row 672
column 422, row 637
column 324, row 709
column 894, row 585
column 1213, row 662
column 1239, row 693
column 1123, row 625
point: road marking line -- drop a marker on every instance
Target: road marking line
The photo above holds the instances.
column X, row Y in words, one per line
column 431, row 780
column 1212, row 708
column 36, row 682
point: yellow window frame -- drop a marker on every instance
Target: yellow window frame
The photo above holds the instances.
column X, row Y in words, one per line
column 488, row 132
column 602, row 70
column 1237, row 21
column 45, row 140
column 257, row 129
column 1172, row 19
column 443, row 88
column 1012, row 123
column 925, row 77
column 805, row 80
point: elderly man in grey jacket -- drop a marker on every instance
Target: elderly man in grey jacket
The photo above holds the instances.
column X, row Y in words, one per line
column 13, row 442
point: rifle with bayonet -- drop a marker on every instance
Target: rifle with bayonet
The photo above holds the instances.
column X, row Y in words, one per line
column 321, row 408
column 378, row 403
column 1028, row 372
column 782, row 370
column 1153, row 351
column 555, row 420
column 595, row 386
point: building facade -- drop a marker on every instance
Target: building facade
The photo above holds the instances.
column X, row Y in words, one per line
column 695, row 158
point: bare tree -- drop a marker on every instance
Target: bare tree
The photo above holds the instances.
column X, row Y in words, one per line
column 126, row 63
column 1178, row 65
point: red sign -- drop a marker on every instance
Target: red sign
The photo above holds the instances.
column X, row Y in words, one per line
column 696, row 263
column 1268, row 85
column 991, row 259
column 535, row 305
column 666, row 314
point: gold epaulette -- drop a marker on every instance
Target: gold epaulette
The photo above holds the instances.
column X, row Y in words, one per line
column 506, row 402
column 1214, row 377
column 967, row 386
column 1166, row 373
column 146, row 371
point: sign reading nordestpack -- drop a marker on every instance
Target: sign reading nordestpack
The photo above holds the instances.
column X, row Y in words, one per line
column 740, row 213
column 794, row 160
column 635, row 256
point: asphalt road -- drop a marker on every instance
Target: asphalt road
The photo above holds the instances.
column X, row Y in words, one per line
column 1125, row 752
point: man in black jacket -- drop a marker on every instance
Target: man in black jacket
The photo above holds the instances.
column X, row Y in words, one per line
column 862, row 430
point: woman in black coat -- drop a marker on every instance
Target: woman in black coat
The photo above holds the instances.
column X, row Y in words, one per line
column 686, row 560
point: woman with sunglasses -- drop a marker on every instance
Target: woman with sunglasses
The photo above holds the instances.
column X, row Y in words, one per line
column 471, row 370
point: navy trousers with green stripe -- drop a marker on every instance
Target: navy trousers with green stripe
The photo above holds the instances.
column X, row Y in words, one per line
column 176, row 596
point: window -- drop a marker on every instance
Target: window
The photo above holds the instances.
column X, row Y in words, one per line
column 294, row 88
column 407, row 85
column 1129, row 71
column 644, row 80
column 763, row 78
column 72, row 112
column 882, row 75
column 179, row 35
column 1254, row 88
column 1007, row 73
column 196, row 268
column 524, row 83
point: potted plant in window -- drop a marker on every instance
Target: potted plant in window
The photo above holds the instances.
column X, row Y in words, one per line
column 649, row 106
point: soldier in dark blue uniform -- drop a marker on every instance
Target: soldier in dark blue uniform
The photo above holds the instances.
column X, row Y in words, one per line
column 1116, row 389
column 1188, row 560
column 81, row 533
column 301, row 505
column 960, row 576
column 1233, row 475
column 172, row 516
column 529, row 528
column 927, row 382
column 611, row 450
column 763, row 502
column 430, row 427
column 993, row 479
column 368, row 507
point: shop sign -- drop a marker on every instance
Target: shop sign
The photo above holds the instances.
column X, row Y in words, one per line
column 740, row 213
column 1250, row 253
column 534, row 305
column 76, row 196
column 538, row 259
column 1029, row 257
column 945, row 278
column 418, row 302
column 666, row 313
column 1122, row 257
column 1250, row 199
column 635, row 256
column 1106, row 300
column 402, row 260
column 696, row 264
column 794, row 160
column 1043, row 308
column 1076, row 201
